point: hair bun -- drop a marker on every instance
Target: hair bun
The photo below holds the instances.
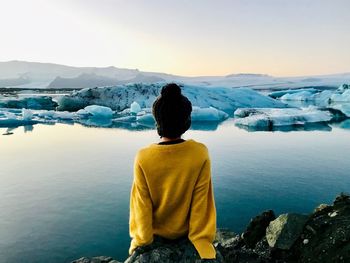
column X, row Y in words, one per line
column 171, row 90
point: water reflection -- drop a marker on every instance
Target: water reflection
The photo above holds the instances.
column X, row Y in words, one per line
column 290, row 128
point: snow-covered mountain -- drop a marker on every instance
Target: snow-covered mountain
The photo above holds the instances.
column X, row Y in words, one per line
column 24, row 74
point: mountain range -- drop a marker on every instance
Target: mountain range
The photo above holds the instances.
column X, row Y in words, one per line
column 23, row 74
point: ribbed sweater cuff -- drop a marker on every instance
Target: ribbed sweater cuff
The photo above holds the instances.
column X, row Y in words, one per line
column 204, row 248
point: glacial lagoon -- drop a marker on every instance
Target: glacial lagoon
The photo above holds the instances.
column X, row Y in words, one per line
column 65, row 187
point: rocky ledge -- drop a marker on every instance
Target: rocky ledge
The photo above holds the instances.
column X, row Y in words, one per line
column 322, row 236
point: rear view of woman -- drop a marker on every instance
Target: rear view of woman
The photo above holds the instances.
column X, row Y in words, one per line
column 172, row 195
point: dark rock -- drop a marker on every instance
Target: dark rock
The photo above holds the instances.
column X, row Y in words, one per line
column 169, row 251
column 256, row 229
column 284, row 230
column 100, row 259
column 326, row 237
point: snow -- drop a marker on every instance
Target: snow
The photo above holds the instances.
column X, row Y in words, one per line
column 135, row 107
column 99, row 111
column 269, row 117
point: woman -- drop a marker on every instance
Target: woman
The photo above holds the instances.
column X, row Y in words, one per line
column 172, row 193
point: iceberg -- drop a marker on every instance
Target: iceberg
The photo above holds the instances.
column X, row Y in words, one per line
column 281, row 93
column 11, row 119
column 268, row 118
column 299, row 96
column 34, row 103
column 99, row 111
column 120, row 97
column 208, row 114
column 135, row 107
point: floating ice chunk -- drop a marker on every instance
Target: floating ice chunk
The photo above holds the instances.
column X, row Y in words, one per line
column 125, row 119
column 27, row 114
column 10, row 119
column 208, row 114
column 99, row 111
column 298, row 96
column 281, row 93
column 64, row 115
column 146, row 118
column 35, row 103
column 341, row 97
column 344, row 108
column 135, row 107
column 269, row 117
column 83, row 113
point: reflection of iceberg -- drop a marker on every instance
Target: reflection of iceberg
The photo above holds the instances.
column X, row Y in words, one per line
column 205, row 125
column 343, row 125
column 305, row 127
column 268, row 119
column 96, row 122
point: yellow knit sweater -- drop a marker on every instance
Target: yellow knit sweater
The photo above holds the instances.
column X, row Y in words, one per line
column 172, row 196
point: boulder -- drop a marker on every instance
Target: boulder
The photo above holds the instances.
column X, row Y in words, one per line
column 256, row 228
column 100, row 259
column 284, row 230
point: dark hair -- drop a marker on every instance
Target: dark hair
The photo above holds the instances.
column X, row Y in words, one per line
column 172, row 112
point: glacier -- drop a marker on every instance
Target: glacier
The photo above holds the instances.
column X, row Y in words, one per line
column 122, row 96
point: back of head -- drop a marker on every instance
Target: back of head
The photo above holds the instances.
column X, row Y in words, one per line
column 172, row 112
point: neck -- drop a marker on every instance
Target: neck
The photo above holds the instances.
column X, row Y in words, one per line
column 166, row 139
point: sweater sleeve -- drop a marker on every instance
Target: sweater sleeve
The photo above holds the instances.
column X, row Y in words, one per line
column 202, row 226
column 140, row 225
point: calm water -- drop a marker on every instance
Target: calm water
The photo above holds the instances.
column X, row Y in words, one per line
column 64, row 189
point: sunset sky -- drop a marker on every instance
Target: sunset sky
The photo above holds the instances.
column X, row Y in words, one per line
column 185, row 37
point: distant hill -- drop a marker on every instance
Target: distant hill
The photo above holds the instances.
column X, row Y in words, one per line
column 22, row 74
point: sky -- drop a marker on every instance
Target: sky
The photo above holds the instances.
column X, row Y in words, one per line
column 183, row 37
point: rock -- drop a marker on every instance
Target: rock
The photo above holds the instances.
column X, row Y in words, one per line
column 256, row 229
column 328, row 234
column 169, row 251
column 100, row 259
column 321, row 207
column 284, row 231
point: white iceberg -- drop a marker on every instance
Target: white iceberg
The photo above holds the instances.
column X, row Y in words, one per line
column 135, row 107
column 18, row 118
column 121, row 97
column 27, row 114
column 99, row 111
column 269, row 117
column 208, row 114
column 304, row 95
column 281, row 93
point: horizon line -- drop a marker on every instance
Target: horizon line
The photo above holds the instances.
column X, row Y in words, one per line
column 176, row 75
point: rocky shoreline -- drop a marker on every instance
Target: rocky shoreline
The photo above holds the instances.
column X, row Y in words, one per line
column 321, row 236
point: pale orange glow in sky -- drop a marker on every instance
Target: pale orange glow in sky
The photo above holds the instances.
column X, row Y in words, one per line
column 277, row 37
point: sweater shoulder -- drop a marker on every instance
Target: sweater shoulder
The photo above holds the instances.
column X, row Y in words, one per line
column 198, row 148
